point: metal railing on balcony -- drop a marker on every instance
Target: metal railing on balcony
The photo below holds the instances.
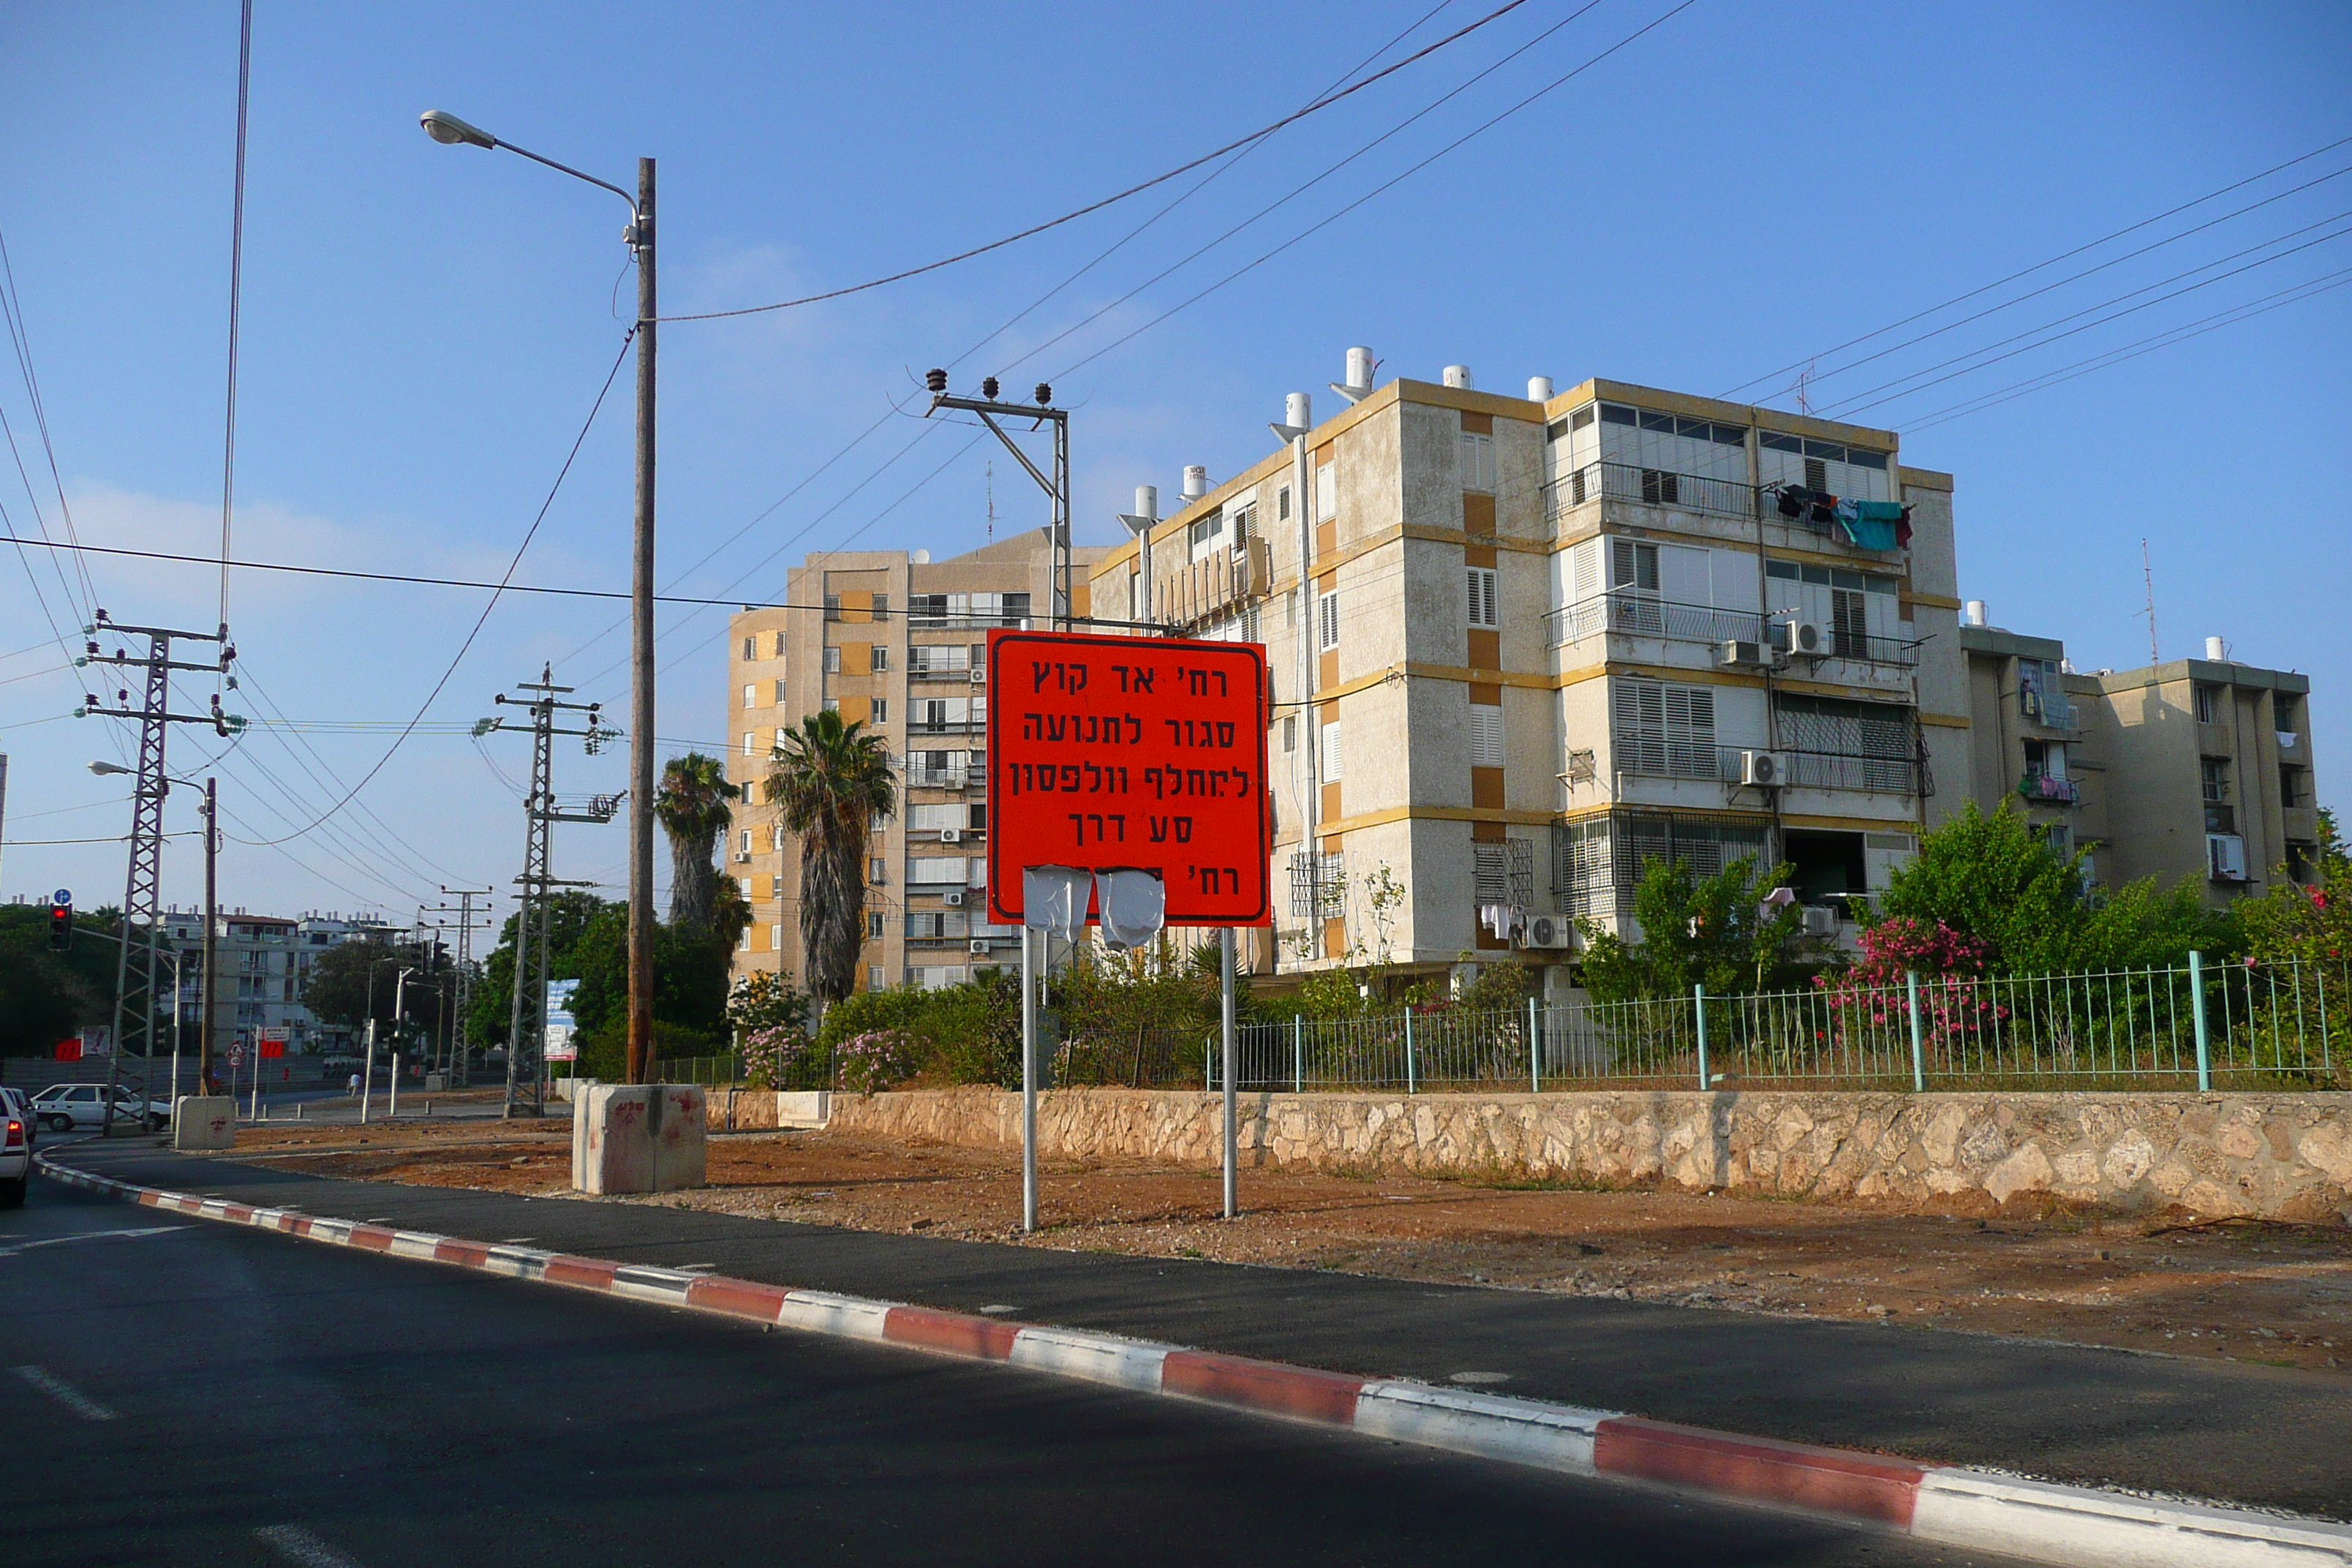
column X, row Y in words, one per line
column 1643, row 615
column 1860, row 647
column 1655, row 487
column 946, row 726
column 2036, row 786
column 944, row 778
column 1654, row 758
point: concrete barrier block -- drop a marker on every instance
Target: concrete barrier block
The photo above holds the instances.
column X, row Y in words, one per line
column 802, row 1108
column 204, row 1121
column 638, row 1138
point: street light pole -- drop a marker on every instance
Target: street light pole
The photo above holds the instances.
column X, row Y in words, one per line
column 450, row 131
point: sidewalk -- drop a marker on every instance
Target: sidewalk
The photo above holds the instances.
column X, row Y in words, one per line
column 2252, row 1436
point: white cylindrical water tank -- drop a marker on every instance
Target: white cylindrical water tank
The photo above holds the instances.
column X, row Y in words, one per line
column 920, row 558
column 1973, row 612
column 2217, row 650
column 1147, row 501
column 1359, row 369
column 1458, row 375
column 1539, row 389
column 1299, row 411
column 1196, row 481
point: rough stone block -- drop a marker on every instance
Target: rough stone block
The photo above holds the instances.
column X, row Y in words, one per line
column 802, row 1108
column 638, row 1138
column 204, row 1121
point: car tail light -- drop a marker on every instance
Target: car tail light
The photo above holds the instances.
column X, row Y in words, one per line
column 16, row 1132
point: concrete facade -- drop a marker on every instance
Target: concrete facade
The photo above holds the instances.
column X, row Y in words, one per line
column 2285, row 1156
column 1512, row 652
column 2196, row 769
column 895, row 646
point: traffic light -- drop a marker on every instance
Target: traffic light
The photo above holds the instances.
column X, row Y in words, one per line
column 60, row 927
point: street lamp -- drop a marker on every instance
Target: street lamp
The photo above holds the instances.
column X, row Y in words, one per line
column 452, row 132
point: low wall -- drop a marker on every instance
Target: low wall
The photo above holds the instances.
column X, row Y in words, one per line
column 2286, row 1156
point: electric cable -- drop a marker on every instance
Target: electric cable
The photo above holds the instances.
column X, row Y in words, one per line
column 1160, row 179
column 236, row 295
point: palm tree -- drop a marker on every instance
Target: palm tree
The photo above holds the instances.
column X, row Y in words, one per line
column 692, row 806
column 830, row 782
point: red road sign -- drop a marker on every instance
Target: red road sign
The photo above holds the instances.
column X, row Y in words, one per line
column 1109, row 752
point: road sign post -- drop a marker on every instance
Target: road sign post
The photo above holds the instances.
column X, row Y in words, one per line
column 1126, row 789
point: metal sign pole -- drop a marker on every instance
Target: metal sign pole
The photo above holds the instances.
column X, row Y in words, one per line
column 1028, row 1080
column 1233, row 1107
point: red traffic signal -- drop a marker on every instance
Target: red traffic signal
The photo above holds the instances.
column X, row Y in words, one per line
column 60, row 927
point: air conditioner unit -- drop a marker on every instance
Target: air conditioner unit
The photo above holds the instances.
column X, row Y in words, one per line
column 742, row 856
column 950, row 835
column 979, row 675
column 954, row 900
column 1763, row 770
column 1805, row 637
column 1548, row 930
column 1735, row 653
column 979, row 946
column 1820, row 920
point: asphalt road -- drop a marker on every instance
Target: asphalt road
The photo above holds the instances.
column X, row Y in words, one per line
column 178, row 1392
column 2254, row 1434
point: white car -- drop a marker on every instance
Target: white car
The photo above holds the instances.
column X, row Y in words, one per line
column 65, row 1106
column 15, row 1153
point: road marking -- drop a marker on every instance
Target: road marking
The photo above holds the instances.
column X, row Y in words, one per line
column 92, row 1236
column 65, row 1393
column 296, row 1544
column 1475, row 1377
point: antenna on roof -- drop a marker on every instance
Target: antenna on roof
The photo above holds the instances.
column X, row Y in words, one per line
column 2147, row 574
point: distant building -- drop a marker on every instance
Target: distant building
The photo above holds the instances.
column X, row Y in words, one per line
column 263, row 967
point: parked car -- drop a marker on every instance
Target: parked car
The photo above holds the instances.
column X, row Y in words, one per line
column 16, row 1156
column 14, row 1102
column 66, row 1106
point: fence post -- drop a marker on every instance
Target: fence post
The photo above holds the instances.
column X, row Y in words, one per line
column 2197, row 1011
column 1297, row 1056
column 1698, row 1005
column 1918, row 1047
column 1535, row 1051
column 1411, row 1084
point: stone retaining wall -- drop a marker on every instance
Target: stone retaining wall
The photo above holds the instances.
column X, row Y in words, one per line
column 2286, row 1156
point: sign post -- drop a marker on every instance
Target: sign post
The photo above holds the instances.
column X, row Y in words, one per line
column 1126, row 789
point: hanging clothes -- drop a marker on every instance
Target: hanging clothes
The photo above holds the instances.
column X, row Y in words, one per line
column 1875, row 524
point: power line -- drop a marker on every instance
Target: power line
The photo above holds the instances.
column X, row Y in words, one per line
column 2029, row 272
column 1162, row 179
column 236, row 295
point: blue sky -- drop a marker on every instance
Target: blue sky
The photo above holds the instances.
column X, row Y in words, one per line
column 1742, row 188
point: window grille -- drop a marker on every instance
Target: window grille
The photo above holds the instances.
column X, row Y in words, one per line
column 1319, row 884
column 1504, row 873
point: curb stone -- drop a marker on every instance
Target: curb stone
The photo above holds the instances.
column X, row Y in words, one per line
column 2079, row 1526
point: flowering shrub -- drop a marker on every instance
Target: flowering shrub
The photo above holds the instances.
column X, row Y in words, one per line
column 771, row 1055
column 1953, row 1007
column 876, row 1059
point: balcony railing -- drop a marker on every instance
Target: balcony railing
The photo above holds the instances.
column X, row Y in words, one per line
column 1634, row 614
column 2043, row 787
column 2046, row 709
column 1806, row 770
column 944, row 778
column 1656, row 487
column 947, row 727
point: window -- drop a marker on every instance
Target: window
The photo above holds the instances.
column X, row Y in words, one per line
column 1319, row 884
column 878, row 658
column 2221, row 816
column 1207, row 529
column 780, row 691
column 2285, row 711
column 780, row 738
column 1477, row 461
column 750, row 694
column 775, row 937
column 832, row 660
column 1485, row 735
column 750, row 648
column 833, row 606
column 748, row 743
column 1245, row 524
column 1502, row 873
column 935, row 870
column 2208, row 703
column 881, row 707
column 1662, row 728
column 1330, row 747
column 1326, row 621
column 1282, row 504
column 780, row 645
column 2294, row 785
column 874, row 981
column 878, row 870
column 775, row 887
column 744, row 848
column 1289, row 733
column 832, row 704
column 881, row 611
column 1634, row 565
column 874, row 925
column 1484, row 610
column 1326, row 493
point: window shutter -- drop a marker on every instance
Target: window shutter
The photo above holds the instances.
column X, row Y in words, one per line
column 1330, row 758
column 1326, row 493
column 1327, row 620
column 1485, row 735
column 1484, row 610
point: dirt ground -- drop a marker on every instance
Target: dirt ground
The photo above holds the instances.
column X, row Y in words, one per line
column 2275, row 1294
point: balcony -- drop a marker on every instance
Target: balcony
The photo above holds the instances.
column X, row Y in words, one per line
column 1218, row 584
column 1806, row 770
column 1653, row 486
column 917, row 728
column 1629, row 613
column 2050, row 709
column 945, row 778
column 2042, row 789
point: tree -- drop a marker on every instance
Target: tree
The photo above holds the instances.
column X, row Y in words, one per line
column 47, row 997
column 1711, row 930
column 1996, row 881
column 830, row 780
column 692, row 806
column 493, row 995
column 339, row 990
column 2310, row 922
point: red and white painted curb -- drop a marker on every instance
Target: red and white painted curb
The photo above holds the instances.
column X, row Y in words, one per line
column 2073, row 1525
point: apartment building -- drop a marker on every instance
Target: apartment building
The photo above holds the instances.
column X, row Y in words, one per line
column 900, row 644
column 1523, row 644
column 263, row 969
column 2194, row 770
